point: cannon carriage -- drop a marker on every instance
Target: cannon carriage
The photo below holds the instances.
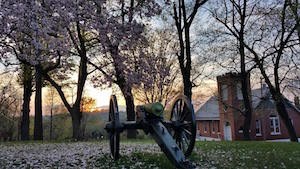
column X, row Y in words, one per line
column 175, row 136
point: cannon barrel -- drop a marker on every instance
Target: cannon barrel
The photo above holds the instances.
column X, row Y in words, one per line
column 154, row 108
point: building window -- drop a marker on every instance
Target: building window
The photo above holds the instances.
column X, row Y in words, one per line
column 225, row 107
column 239, row 93
column 241, row 129
column 224, row 92
column 218, row 126
column 205, row 127
column 258, row 127
column 274, row 125
column 213, row 127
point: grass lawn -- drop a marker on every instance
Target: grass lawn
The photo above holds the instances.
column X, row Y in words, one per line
column 247, row 155
column 145, row 154
column 232, row 155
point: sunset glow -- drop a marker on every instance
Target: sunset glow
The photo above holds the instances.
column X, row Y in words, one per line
column 101, row 96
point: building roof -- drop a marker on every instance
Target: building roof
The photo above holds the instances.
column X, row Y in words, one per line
column 261, row 100
column 258, row 95
column 209, row 110
column 265, row 103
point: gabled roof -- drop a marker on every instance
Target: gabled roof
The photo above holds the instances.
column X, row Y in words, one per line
column 258, row 94
column 266, row 103
column 209, row 110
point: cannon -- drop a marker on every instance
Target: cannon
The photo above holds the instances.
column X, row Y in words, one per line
column 175, row 136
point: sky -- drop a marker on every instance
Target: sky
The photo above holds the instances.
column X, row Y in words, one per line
column 102, row 96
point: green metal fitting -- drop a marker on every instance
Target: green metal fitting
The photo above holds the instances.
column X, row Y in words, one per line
column 154, row 108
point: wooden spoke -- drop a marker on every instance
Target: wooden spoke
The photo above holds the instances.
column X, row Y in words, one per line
column 187, row 131
column 183, row 128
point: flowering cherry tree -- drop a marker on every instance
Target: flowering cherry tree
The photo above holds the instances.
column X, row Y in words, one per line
column 76, row 18
column 46, row 34
column 121, row 42
column 28, row 32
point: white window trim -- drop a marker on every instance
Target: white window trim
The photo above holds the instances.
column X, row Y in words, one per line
column 239, row 94
column 274, row 127
column 224, row 92
column 205, row 127
column 258, row 134
column 213, row 129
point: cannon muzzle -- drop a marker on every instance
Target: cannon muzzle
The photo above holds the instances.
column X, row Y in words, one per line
column 154, row 108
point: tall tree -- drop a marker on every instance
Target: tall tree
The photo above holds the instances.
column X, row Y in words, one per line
column 183, row 21
column 161, row 80
column 270, row 40
column 121, row 30
column 9, row 49
column 234, row 17
column 283, row 46
column 26, row 80
column 77, row 19
column 52, row 101
column 9, row 107
column 30, row 35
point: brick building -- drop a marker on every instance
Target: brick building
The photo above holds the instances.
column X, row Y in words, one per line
column 220, row 117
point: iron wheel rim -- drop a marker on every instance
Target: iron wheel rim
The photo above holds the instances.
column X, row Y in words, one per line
column 114, row 134
column 183, row 128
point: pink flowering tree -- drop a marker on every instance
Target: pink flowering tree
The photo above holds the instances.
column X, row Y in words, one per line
column 107, row 31
column 28, row 32
column 46, row 34
column 76, row 18
column 162, row 76
column 121, row 41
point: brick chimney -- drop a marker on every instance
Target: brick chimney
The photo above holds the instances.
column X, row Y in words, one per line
column 296, row 101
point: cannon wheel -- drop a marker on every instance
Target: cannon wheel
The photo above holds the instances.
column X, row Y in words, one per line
column 183, row 124
column 114, row 133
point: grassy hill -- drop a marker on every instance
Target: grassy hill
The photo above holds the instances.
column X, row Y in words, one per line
column 62, row 125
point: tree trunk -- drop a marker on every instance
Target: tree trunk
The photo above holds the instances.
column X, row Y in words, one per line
column 83, row 125
column 76, row 123
column 188, row 60
column 38, row 116
column 187, row 84
column 247, row 105
column 281, row 109
column 27, row 91
column 74, row 110
column 280, row 106
column 127, row 92
column 244, row 76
